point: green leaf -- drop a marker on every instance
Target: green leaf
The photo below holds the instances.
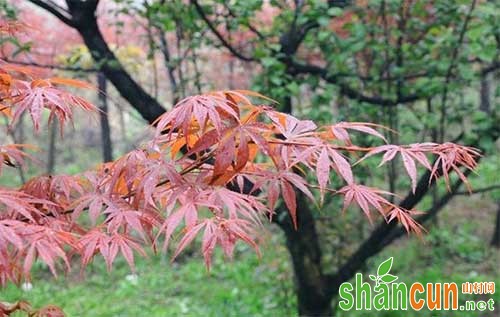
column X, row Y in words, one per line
column 385, row 267
column 372, row 277
column 388, row 278
column 268, row 61
column 293, row 87
column 323, row 21
column 323, row 35
column 335, row 11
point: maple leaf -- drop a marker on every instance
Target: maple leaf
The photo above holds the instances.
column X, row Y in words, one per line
column 47, row 244
column 126, row 245
column 286, row 182
column 237, row 204
column 94, row 202
column 9, row 235
column 59, row 189
column 225, row 232
column 203, row 108
column 405, row 217
column 19, row 205
column 339, row 130
column 120, row 215
column 41, row 94
column 12, row 155
column 9, row 268
column 210, row 238
column 232, row 148
column 293, row 129
column 190, row 201
column 92, row 242
column 409, row 154
column 450, row 157
column 325, row 157
column 153, row 172
column 109, row 246
column 365, row 197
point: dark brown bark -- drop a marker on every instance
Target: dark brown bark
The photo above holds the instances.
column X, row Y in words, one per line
column 148, row 107
column 303, row 244
column 106, row 143
column 81, row 16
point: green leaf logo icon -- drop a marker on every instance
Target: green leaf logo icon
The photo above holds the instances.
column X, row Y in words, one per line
column 388, row 278
column 383, row 275
column 384, row 267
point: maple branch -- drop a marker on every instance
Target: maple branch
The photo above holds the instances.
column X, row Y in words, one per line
column 221, row 38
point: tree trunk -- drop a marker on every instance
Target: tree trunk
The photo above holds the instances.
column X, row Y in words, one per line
column 485, row 106
column 484, row 94
column 495, row 240
column 107, row 145
column 168, row 65
column 85, row 22
column 51, row 158
column 303, row 243
column 305, row 252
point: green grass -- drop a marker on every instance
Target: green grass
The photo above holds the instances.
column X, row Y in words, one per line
column 245, row 286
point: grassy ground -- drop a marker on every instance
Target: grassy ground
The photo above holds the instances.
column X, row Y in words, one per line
column 246, row 285
column 455, row 250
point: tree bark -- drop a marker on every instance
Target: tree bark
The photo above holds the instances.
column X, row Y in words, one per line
column 81, row 16
column 149, row 108
column 106, row 143
column 51, row 157
column 484, row 94
column 170, row 69
column 485, row 106
column 303, row 245
column 495, row 240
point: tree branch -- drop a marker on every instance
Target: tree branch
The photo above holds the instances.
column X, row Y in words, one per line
column 451, row 67
column 428, row 215
column 55, row 11
column 248, row 25
column 386, row 233
column 491, row 68
column 299, row 68
column 480, row 190
column 84, row 20
column 221, row 38
column 51, row 66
